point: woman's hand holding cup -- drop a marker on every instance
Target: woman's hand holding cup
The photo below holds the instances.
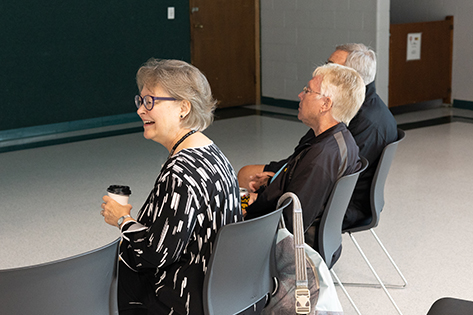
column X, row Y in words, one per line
column 115, row 205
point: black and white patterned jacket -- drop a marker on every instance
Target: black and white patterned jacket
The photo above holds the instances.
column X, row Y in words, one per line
column 168, row 249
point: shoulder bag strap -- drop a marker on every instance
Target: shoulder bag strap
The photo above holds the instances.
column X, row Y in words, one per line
column 302, row 284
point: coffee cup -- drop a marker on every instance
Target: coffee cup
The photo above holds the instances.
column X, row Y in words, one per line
column 119, row 193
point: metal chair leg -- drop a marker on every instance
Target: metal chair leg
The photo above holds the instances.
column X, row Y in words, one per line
column 375, row 274
column 345, row 291
column 375, row 285
column 392, row 262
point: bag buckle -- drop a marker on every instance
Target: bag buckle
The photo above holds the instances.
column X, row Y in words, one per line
column 302, row 301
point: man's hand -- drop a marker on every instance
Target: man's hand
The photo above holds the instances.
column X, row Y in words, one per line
column 258, row 180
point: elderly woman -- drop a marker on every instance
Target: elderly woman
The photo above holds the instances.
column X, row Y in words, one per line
column 326, row 152
column 166, row 249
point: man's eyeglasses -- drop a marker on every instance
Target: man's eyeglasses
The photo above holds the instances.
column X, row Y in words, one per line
column 307, row 91
column 148, row 100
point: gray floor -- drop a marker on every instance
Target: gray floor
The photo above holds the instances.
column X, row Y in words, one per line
column 50, row 201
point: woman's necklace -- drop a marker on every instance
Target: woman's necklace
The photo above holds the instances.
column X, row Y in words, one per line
column 180, row 141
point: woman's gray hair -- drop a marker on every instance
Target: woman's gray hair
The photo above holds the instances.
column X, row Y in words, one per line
column 345, row 87
column 362, row 59
column 182, row 81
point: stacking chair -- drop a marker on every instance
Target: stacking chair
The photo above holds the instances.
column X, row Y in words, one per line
column 330, row 227
column 451, row 306
column 78, row 285
column 238, row 274
column 377, row 204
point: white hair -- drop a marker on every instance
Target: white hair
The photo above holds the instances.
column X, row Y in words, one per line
column 345, row 87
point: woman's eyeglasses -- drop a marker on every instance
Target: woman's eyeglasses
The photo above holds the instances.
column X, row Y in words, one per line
column 148, row 100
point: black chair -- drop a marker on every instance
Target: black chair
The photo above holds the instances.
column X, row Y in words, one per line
column 330, row 227
column 78, row 285
column 451, row 306
column 377, row 204
column 239, row 276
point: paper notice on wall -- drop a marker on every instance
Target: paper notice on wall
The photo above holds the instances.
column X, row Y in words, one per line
column 413, row 46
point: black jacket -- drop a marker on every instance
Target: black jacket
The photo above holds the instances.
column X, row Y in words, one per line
column 311, row 173
column 373, row 127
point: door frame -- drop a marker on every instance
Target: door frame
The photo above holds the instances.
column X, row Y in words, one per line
column 258, row 51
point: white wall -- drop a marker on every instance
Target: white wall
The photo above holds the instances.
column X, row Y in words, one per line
column 299, row 35
column 408, row 11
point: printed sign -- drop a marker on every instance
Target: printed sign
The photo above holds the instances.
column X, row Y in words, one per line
column 413, row 46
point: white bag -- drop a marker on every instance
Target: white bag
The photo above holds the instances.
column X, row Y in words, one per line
column 303, row 282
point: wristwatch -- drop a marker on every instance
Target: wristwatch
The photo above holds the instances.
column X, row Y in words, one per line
column 120, row 220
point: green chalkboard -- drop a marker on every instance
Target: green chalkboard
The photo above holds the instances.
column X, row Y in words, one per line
column 70, row 60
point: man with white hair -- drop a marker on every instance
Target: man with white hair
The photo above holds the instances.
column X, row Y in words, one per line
column 326, row 153
column 373, row 127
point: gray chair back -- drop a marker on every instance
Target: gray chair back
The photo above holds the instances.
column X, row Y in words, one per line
column 330, row 227
column 379, row 181
column 238, row 274
column 451, row 306
column 78, row 285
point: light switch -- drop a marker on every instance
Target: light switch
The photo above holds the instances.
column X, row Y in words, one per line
column 170, row 13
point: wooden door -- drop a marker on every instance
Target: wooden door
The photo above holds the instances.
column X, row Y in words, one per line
column 223, row 47
column 425, row 79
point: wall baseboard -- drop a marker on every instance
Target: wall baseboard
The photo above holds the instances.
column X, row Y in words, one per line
column 87, row 129
column 279, row 102
column 463, row 104
column 37, row 136
column 69, row 126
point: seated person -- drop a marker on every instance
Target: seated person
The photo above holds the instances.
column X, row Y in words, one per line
column 373, row 127
column 327, row 152
column 166, row 247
